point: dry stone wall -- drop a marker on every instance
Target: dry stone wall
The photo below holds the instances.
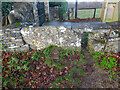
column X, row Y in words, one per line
column 41, row 37
column 97, row 40
column 11, row 40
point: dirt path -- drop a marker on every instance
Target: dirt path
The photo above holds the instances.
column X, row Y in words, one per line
column 96, row 78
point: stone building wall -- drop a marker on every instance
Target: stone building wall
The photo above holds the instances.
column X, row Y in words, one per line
column 22, row 12
column 27, row 12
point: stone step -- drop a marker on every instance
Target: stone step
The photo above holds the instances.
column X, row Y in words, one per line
column 13, row 43
column 18, row 48
column 8, row 29
column 10, row 38
column 12, row 34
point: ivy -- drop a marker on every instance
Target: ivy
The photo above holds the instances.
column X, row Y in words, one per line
column 6, row 8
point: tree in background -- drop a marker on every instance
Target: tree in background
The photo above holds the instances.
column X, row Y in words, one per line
column 62, row 8
column 6, row 8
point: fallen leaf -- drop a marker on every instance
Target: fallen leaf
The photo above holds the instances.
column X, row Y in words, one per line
column 11, row 83
column 42, row 57
column 30, row 83
column 37, row 68
column 71, row 86
column 17, row 83
column 56, row 53
column 33, row 74
column 63, row 81
column 66, row 67
column 51, row 69
column 115, row 69
column 61, row 73
column 50, row 87
column 44, row 73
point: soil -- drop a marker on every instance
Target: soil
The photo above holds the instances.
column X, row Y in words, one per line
column 97, row 77
column 86, row 20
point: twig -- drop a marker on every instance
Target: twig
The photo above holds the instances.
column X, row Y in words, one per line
column 107, row 38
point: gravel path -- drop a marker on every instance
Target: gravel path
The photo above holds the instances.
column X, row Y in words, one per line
column 81, row 25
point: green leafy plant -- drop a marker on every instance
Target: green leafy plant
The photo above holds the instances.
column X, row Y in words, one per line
column 80, row 71
column 82, row 56
column 6, row 8
column 54, row 85
column 69, row 77
column 59, row 79
column 13, row 63
column 50, row 63
column 5, row 83
column 105, row 61
column 1, row 46
column 103, row 42
column 83, row 60
column 15, row 68
column 35, row 56
column 32, row 81
column 65, row 52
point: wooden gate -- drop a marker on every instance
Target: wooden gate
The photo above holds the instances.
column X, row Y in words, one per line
column 41, row 12
column 110, row 11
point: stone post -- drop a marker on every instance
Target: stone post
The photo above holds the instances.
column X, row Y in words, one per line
column 35, row 12
column 0, row 13
column 47, row 14
column 0, row 45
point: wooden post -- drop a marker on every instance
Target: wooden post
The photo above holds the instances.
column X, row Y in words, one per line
column 68, row 14
column 76, row 9
column 94, row 13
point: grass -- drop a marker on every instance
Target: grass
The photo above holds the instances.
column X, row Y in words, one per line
column 84, row 14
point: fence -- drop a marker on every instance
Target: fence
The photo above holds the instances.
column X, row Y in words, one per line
column 71, row 12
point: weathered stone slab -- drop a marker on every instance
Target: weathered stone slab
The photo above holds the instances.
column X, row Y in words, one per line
column 44, row 36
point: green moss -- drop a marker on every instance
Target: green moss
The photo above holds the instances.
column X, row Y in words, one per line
column 102, row 42
column 59, row 79
column 35, row 56
column 77, row 62
column 68, row 78
column 80, row 71
column 17, row 24
column 76, row 81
